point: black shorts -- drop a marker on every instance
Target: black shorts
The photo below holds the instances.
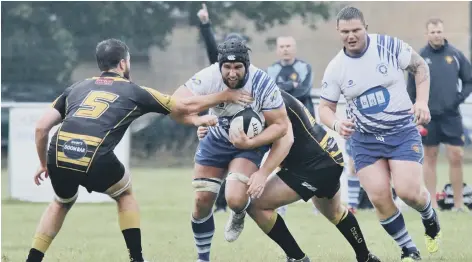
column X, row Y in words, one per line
column 446, row 129
column 105, row 171
column 322, row 183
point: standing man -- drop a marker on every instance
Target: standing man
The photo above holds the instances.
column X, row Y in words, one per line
column 447, row 66
column 292, row 75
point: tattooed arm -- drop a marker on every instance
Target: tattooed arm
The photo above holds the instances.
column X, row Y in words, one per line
column 420, row 69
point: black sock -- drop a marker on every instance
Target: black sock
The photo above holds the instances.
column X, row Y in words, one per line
column 133, row 242
column 352, row 232
column 35, row 255
column 281, row 235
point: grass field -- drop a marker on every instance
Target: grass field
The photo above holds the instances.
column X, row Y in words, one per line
column 91, row 231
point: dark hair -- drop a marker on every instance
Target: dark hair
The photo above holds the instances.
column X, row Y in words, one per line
column 434, row 21
column 109, row 53
column 350, row 13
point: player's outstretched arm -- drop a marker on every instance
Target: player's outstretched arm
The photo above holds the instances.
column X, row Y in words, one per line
column 187, row 103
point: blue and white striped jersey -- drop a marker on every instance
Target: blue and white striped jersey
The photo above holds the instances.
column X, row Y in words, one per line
column 373, row 84
column 265, row 92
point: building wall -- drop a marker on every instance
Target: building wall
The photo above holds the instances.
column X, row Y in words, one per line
column 170, row 68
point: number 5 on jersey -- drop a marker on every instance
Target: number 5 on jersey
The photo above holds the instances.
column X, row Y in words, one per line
column 95, row 104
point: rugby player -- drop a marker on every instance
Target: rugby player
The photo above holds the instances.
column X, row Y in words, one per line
column 95, row 114
column 385, row 143
column 216, row 155
column 311, row 167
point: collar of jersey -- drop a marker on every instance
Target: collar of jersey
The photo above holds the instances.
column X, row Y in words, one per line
column 111, row 74
column 362, row 53
column 446, row 43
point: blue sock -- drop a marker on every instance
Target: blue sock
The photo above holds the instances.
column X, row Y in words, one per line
column 353, row 189
column 427, row 211
column 203, row 230
column 395, row 227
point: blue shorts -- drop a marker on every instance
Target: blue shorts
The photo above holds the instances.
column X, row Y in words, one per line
column 366, row 149
column 219, row 153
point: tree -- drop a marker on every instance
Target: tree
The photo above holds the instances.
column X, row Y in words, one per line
column 44, row 41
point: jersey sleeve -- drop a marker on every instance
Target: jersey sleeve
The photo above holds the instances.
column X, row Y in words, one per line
column 201, row 82
column 404, row 53
column 272, row 97
column 152, row 100
column 330, row 88
column 60, row 103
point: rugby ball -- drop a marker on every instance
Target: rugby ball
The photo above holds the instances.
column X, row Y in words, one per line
column 248, row 121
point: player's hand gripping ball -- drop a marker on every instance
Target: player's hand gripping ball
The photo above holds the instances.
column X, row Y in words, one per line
column 248, row 121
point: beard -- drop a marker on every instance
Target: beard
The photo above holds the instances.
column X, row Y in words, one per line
column 232, row 85
column 126, row 74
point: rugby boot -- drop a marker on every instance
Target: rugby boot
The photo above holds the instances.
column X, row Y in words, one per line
column 370, row 258
column 234, row 226
column 410, row 255
column 432, row 233
column 305, row 259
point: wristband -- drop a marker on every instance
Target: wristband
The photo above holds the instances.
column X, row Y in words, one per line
column 336, row 122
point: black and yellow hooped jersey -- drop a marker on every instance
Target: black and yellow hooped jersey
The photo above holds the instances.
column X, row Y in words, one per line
column 313, row 147
column 96, row 113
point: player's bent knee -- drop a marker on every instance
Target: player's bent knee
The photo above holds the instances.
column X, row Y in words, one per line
column 409, row 194
column 236, row 201
column 338, row 215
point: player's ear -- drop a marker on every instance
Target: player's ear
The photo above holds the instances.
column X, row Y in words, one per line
column 122, row 64
column 366, row 27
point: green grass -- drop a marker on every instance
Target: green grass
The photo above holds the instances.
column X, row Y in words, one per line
column 91, row 231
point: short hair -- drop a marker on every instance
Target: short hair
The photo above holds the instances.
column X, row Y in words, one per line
column 109, row 53
column 350, row 13
column 434, row 21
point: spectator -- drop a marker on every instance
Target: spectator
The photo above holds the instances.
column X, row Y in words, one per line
column 447, row 66
column 291, row 74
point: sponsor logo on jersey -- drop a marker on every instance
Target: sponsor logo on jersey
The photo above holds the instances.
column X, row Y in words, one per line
column 449, row 59
column 383, row 69
column 416, row 148
column 310, row 187
column 104, row 82
column 75, row 148
column 196, row 80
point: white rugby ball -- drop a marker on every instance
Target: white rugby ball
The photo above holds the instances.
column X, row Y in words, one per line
column 248, row 121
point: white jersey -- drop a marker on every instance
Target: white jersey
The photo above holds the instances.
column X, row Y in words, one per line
column 373, row 84
column 265, row 92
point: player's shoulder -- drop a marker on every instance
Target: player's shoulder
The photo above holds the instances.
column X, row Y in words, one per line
column 336, row 62
column 209, row 72
column 451, row 48
column 301, row 62
column 275, row 65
